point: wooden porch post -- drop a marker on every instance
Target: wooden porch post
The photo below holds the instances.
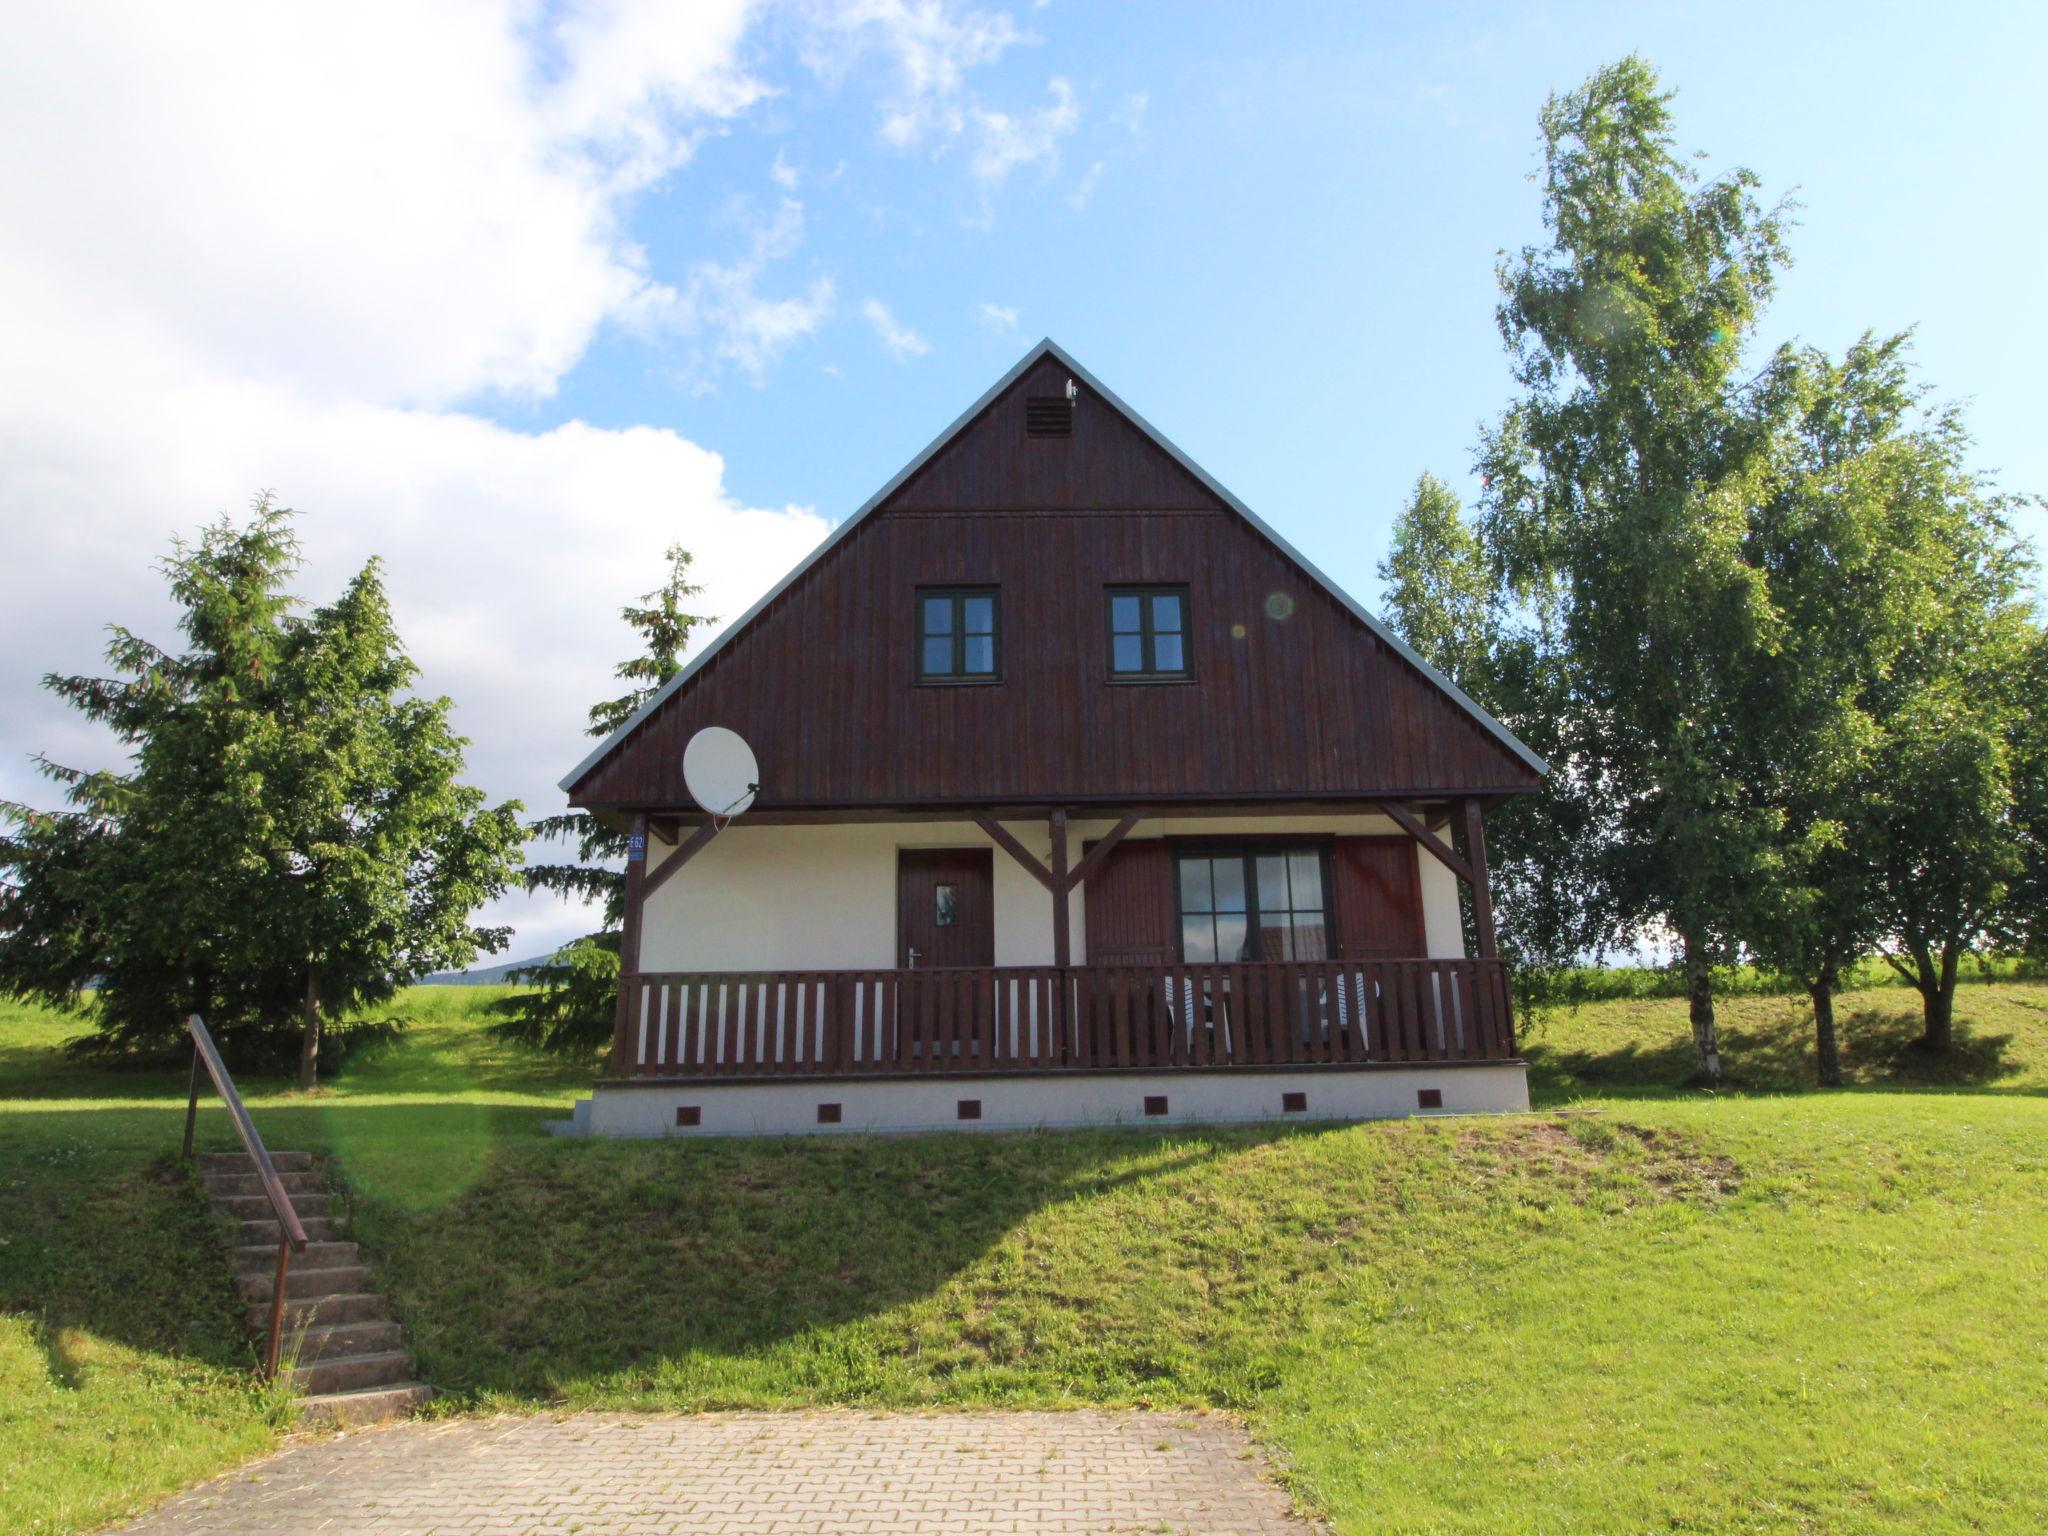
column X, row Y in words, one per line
column 629, row 941
column 1482, row 897
column 1062, row 942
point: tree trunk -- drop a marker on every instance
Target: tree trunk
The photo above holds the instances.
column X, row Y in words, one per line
column 1822, row 992
column 309, row 1045
column 1706, row 1038
column 1938, row 1001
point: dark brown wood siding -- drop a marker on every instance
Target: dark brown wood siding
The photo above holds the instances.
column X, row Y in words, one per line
column 1379, row 898
column 1291, row 696
column 1132, row 916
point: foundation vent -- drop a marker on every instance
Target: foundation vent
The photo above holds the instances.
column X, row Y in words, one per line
column 828, row 1114
column 689, row 1114
column 1293, row 1103
column 1155, row 1103
column 968, row 1109
column 1429, row 1098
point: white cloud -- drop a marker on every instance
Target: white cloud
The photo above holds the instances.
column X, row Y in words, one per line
column 1084, row 190
column 1005, row 142
column 782, row 173
column 274, row 246
column 897, row 339
column 723, row 302
column 997, row 317
column 931, row 48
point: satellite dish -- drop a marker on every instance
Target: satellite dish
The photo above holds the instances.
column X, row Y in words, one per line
column 720, row 772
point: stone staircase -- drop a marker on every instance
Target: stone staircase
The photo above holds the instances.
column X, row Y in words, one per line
column 348, row 1359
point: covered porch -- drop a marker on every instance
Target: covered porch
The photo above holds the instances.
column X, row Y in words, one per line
column 1299, row 992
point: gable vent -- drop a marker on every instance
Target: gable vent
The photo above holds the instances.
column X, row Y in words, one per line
column 1048, row 416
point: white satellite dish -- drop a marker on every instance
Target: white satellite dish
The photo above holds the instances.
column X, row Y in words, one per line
column 720, row 772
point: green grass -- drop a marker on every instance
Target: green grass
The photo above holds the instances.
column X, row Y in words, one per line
column 1641, row 1309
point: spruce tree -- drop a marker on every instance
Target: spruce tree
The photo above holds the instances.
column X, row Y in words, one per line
column 577, row 988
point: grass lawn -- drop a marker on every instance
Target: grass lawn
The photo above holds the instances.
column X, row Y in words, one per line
column 1638, row 1309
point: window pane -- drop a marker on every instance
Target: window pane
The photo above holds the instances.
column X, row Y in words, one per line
column 1166, row 611
column 980, row 615
column 1166, row 655
column 938, row 656
column 1230, row 940
column 981, row 654
column 1311, row 937
column 1198, row 940
column 1123, row 614
column 1306, row 872
column 948, row 905
column 938, row 615
column 1229, row 884
column 1128, row 653
column 1194, row 886
column 1272, row 882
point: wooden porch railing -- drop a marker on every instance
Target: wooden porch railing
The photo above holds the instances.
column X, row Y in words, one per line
column 772, row 1024
column 291, row 1236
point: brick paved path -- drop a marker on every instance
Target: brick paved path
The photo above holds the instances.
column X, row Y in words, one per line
column 1032, row 1474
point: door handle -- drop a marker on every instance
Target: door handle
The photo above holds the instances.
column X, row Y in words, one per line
column 910, row 958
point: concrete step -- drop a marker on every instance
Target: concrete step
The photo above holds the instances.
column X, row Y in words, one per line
column 351, row 1373
column 364, row 1338
column 227, row 1185
column 335, row 1280
column 348, row 1410
column 261, row 1258
column 242, row 1162
column 251, row 1234
column 256, row 1207
column 319, row 1311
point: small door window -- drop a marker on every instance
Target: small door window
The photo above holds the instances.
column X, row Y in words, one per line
column 947, row 905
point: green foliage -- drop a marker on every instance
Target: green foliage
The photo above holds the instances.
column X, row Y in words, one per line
column 1438, row 588
column 572, row 1010
column 575, row 1001
column 290, row 830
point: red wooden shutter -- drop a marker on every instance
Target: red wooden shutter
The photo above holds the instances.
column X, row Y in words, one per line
column 1131, row 913
column 1379, row 899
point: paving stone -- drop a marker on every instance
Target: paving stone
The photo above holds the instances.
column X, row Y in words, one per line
column 751, row 1474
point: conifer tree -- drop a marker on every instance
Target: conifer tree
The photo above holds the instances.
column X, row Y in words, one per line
column 577, row 988
column 288, row 828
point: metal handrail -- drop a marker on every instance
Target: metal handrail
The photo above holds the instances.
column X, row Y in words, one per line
column 291, row 1234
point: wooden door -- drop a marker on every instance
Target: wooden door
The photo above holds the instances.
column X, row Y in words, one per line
column 945, row 907
column 1379, row 899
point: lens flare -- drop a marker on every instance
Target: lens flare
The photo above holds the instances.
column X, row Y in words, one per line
column 1280, row 606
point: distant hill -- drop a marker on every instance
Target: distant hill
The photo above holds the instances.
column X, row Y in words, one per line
column 483, row 976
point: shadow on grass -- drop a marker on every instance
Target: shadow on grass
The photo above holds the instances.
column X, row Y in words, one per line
column 1879, row 1047
column 691, row 1266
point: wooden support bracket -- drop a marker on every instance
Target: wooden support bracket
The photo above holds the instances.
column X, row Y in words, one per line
column 1437, row 848
column 1002, row 838
column 690, row 848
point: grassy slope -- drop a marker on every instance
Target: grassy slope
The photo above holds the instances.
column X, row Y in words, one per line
column 1765, row 1311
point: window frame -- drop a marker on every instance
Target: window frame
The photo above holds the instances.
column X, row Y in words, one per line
column 957, row 596
column 1247, row 851
column 1147, row 635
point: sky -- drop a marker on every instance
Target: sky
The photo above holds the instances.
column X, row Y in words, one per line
column 516, row 295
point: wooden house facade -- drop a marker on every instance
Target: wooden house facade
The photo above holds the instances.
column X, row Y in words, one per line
column 1082, row 798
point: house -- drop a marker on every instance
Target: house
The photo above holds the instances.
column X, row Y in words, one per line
column 1082, row 799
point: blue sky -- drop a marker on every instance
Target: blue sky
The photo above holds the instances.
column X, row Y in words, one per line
column 515, row 294
column 1285, row 258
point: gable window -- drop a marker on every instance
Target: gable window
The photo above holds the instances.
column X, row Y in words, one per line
column 1148, row 633
column 1263, row 902
column 957, row 635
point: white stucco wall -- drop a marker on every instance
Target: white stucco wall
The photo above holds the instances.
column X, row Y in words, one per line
column 824, row 897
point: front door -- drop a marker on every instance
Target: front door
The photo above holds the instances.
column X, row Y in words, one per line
column 945, row 907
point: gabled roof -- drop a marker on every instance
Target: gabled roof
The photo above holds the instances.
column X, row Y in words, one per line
column 1050, row 349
